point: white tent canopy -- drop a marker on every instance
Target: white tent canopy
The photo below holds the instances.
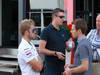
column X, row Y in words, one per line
column 44, row 4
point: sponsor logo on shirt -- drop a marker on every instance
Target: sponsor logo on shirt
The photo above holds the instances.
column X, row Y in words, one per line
column 28, row 53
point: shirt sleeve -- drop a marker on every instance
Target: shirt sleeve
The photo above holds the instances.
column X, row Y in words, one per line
column 44, row 35
column 83, row 52
column 90, row 35
column 28, row 55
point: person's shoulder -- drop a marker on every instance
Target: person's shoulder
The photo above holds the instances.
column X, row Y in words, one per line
column 24, row 51
column 47, row 29
column 93, row 30
column 86, row 42
column 90, row 35
column 23, row 46
column 82, row 41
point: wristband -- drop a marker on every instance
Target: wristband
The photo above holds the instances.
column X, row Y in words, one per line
column 55, row 53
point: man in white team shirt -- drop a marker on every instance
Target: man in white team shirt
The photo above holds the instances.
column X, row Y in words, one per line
column 28, row 58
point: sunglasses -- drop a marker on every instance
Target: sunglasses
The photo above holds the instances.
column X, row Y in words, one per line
column 60, row 16
column 35, row 30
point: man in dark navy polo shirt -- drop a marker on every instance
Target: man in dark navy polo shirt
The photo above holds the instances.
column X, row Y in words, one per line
column 53, row 44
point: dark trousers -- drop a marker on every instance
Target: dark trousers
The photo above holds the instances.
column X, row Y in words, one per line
column 53, row 73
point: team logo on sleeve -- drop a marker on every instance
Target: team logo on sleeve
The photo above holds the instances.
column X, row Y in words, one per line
column 28, row 53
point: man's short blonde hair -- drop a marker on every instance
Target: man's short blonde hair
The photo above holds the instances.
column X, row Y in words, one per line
column 25, row 25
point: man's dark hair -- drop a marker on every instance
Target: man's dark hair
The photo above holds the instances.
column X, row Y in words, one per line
column 80, row 24
column 55, row 11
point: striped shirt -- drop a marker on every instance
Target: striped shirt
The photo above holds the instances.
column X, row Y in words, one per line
column 94, row 38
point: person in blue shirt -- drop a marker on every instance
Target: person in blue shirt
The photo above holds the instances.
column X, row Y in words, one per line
column 83, row 53
column 94, row 37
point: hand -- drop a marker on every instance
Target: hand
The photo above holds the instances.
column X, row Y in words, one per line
column 66, row 65
column 60, row 55
column 67, row 71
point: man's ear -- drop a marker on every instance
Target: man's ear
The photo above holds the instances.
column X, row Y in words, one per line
column 26, row 32
column 79, row 30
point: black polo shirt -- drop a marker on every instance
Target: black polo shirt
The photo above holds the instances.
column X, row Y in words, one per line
column 56, row 40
